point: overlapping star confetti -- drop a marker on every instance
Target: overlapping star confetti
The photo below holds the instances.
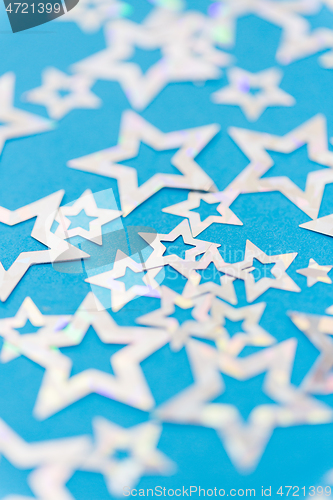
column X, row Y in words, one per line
column 166, row 252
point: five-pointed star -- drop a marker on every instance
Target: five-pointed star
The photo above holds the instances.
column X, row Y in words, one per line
column 128, row 385
column 318, row 329
column 201, row 324
column 17, row 123
column 54, row 462
column 134, row 130
column 252, row 334
column 179, row 61
column 186, row 209
column 87, row 203
column 143, row 458
column 243, row 441
column 58, row 250
column 91, row 15
column 120, row 295
column 314, row 273
column 243, row 270
column 54, row 81
column 28, row 311
column 255, row 145
column 238, row 92
column 158, row 259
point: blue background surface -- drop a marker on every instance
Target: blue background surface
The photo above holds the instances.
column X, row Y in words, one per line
column 33, row 167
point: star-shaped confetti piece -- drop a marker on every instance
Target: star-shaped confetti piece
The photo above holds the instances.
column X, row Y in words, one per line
column 120, row 294
column 243, row 270
column 87, row 203
column 17, row 123
column 58, row 250
column 77, row 88
column 128, row 385
column 323, row 225
column 255, row 146
column 187, row 209
column 134, row 130
column 28, row 311
column 238, row 92
column 315, row 273
column 179, row 62
column 244, row 441
column 139, row 443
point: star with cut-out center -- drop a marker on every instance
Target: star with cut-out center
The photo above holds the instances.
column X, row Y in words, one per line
column 238, row 92
column 87, row 203
column 57, row 250
column 128, row 385
column 255, row 145
column 316, row 273
column 134, row 130
column 187, row 209
column 244, row 441
column 78, row 93
column 139, row 445
column 17, row 123
column 181, row 59
column 28, row 311
column 254, row 288
column 120, row 294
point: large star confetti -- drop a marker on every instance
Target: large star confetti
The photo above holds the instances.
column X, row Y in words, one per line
column 139, row 443
column 120, row 293
column 53, row 462
column 238, row 92
column 134, row 130
column 28, row 311
column 58, row 250
column 77, row 88
column 255, row 145
column 243, row 270
column 17, row 123
column 179, row 61
column 318, row 329
column 187, row 209
column 316, row 273
column 59, row 389
column 243, row 441
column 87, row 203
column 323, row 225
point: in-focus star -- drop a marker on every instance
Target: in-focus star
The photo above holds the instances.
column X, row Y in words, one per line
column 179, row 61
column 120, row 293
column 87, row 203
column 238, row 92
column 138, row 444
column 128, row 385
column 134, row 130
column 28, row 311
column 255, row 146
column 187, row 209
column 323, row 225
column 53, row 462
column 57, row 250
column 76, row 88
column 243, row 270
column 319, row 331
column 244, row 441
column 17, row 123
column 91, row 15
column 315, row 273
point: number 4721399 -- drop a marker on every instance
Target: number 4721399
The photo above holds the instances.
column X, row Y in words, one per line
column 296, row 491
column 40, row 8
